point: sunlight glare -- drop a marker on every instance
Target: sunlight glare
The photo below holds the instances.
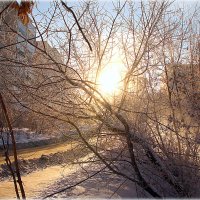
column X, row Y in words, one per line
column 109, row 81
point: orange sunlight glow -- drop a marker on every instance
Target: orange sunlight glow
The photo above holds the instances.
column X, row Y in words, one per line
column 110, row 79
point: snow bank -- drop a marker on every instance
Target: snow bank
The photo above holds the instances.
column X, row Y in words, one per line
column 26, row 138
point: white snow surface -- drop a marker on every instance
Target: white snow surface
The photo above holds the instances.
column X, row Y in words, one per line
column 40, row 183
column 24, row 135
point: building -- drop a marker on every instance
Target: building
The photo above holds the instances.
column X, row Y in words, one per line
column 52, row 51
column 18, row 54
column 17, row 46
column 26, row 47
column 16, row 39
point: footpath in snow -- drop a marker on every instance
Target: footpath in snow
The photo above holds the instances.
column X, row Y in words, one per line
column 46, row 167
column 41, row 183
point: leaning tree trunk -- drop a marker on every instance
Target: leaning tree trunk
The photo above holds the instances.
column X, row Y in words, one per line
column 19, row 180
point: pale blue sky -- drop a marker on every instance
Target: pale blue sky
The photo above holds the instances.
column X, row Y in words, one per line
column 43, row 6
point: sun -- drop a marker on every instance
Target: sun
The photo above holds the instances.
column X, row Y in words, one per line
column 110, row 80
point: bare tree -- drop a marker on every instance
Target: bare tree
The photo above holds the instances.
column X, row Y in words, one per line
column 143, row 132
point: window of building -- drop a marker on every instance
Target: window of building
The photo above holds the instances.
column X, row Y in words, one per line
column 22, row 29
column 20, row 52
column 1, row 45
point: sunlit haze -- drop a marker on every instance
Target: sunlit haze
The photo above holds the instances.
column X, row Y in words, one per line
column 110, row 79
column 99, row 99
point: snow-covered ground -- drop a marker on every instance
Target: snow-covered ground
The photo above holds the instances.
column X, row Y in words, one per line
column 26, row 139
column 24, row 135
column 41, row 183
column 50, row 169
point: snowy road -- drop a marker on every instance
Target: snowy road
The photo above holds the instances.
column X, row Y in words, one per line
column 33, row 183
column 36, row 182
column 42, row 182
column 36, row 152
column 38, row 179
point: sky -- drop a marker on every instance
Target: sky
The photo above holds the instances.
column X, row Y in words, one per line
column 44, row 6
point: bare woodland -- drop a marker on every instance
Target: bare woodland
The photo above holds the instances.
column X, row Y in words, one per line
column 148, row 132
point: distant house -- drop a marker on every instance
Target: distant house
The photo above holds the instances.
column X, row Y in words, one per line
column 26, row 47
column 17, row 43
column 16, row 39
column 43, row 58
column 18, row 56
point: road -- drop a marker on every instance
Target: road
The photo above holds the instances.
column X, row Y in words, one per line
column 36, row 152
column 47, row 179
column 41, row 178
column 37, row 181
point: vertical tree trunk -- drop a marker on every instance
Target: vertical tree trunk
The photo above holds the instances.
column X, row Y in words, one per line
column 19, row 180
